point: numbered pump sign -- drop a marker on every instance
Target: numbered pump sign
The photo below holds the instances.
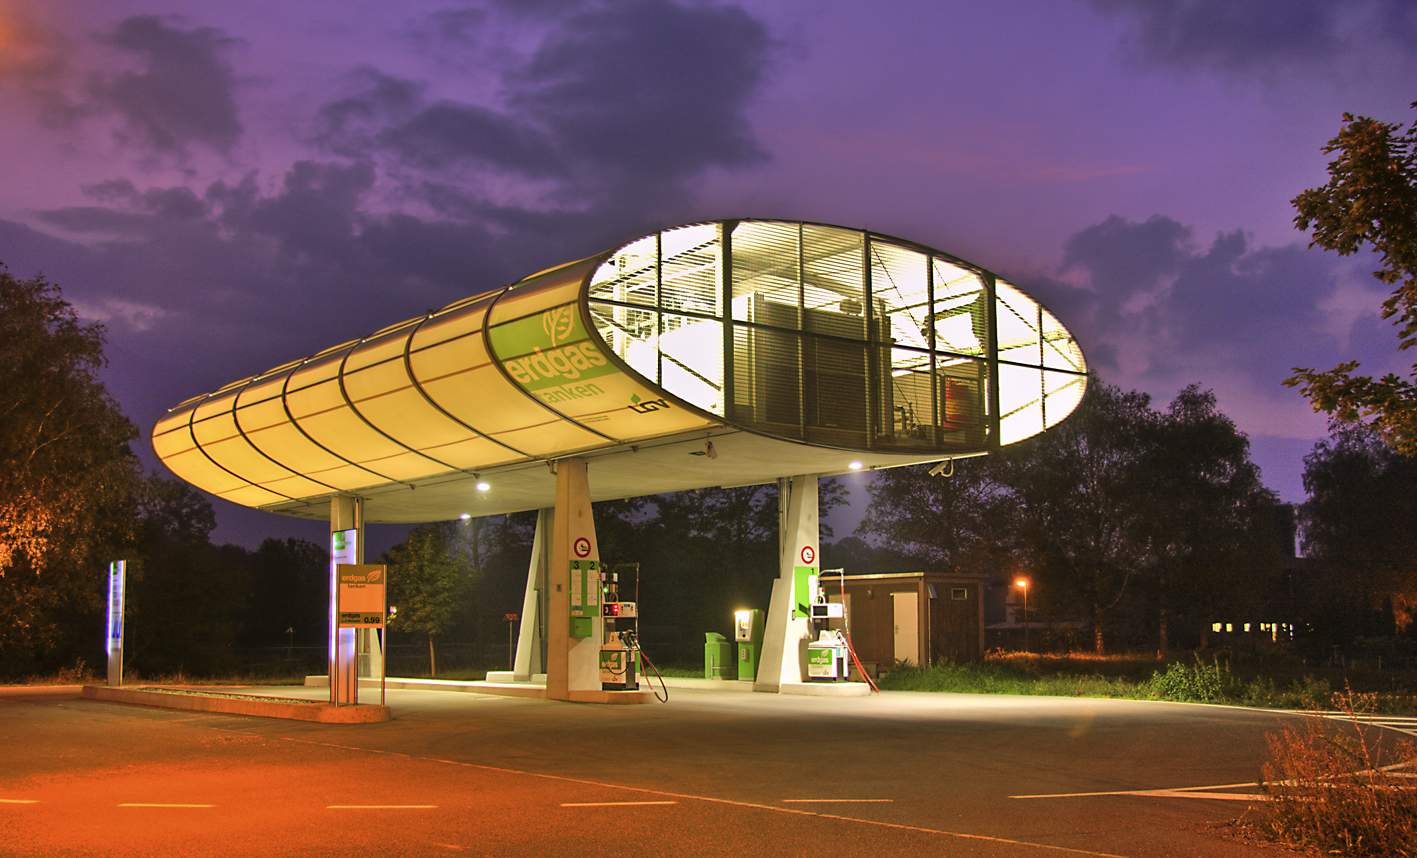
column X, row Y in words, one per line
column 360, row 596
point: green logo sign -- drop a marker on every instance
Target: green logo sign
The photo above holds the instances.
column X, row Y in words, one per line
column 551, row 355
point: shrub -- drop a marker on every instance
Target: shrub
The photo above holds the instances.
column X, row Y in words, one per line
column 1196, row 683
column 1332, row 789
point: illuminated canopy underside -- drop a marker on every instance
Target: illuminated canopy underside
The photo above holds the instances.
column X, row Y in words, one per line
column 717, row 354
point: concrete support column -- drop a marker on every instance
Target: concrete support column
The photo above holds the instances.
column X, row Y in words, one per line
column 528, row 661
column 573, row 663
column 346, row 546
column 789, row 625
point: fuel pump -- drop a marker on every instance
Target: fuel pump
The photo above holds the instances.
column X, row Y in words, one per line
column 748, row 639
column 620, row 650
column 827, row 653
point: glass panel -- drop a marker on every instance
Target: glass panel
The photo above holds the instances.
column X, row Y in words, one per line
column 1060, row 349
column 1018, row 326
column 691, row 360
column 630, row 275
column 766, row 269
column 1020, row 401
column 1064, row 392
column 899, row 288
column 832, row 273
column 908, row 401
column 690, row 270
column 767, row 380
column 962, row 403
column 834, row 391
column 631, row 334
column 960, row 323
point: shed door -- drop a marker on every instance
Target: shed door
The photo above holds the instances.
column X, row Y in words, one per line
column 906, row 606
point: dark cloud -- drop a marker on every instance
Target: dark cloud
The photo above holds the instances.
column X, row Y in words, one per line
column 1179, row 306
column 1125, row 259
column 184, row 93
column 1227, row 34
column 445, row 133
column 1251, row 35
column 649, row 92
column 616, row 110
column 317, row 213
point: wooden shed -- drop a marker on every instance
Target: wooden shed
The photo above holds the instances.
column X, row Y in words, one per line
column 917, row 617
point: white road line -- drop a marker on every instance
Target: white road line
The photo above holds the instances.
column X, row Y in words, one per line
column 19, row 801
column 836, row 800
column 381, row 807
column 142, row 804
column 1179, row 792
column 611, row 803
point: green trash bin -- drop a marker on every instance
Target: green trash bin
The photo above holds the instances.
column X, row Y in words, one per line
column 718, row 657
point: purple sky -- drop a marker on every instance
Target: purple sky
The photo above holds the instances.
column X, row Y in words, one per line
column 236, row 185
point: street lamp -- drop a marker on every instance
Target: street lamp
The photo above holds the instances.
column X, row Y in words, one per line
column 1022, row 584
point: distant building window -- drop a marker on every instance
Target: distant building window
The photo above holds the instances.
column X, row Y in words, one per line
column 959, row 593
column 1215, row 627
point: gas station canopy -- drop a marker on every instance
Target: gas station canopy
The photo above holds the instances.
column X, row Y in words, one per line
column 713, row 354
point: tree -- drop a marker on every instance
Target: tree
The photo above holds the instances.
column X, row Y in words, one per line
column 1211, row 521
column 1360, row 526
column 185, row 597
column 1079, row 493
column 67, row 477
column 959, row 521
column 1370, row 201
column 427, row 580
column 1120, row 514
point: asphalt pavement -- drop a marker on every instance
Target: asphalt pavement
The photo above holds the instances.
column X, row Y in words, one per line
column 707, row 773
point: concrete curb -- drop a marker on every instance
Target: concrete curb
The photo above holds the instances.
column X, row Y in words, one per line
column 215, row 701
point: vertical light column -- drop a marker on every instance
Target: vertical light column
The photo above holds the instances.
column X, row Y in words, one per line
column 528, row 660
column 117, row 582
column 573, row 663
column 346, row 546
column 789, row 625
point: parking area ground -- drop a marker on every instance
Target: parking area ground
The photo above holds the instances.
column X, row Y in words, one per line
column 707, row 773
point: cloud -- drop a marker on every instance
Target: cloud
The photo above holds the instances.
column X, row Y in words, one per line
column 615, row 109
column 183, row 93
column 649, row 92
column 1257, row 35
column 1153, row 306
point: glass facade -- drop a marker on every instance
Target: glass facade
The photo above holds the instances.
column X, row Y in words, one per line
column 836, row 337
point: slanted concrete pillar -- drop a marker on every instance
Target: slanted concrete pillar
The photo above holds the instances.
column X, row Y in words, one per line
column 573, row 660
column 528, row 661
column 788, row 625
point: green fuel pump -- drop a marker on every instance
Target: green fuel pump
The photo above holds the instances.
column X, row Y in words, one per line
column 748, row 640
column 620, row 649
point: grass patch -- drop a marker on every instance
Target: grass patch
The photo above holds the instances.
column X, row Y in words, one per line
column 1276, row 685
column 1336, row 787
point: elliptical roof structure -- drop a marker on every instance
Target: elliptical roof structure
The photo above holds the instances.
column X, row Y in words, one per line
column 712, row 354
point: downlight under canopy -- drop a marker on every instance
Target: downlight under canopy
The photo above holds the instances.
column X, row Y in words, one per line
column 712, row 354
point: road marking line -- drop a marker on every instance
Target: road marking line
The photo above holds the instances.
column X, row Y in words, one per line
column 19, row 801
column 381, row 807
column 1177, row 792
column 141, row 804
column 835, row 800
column 611, row 803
